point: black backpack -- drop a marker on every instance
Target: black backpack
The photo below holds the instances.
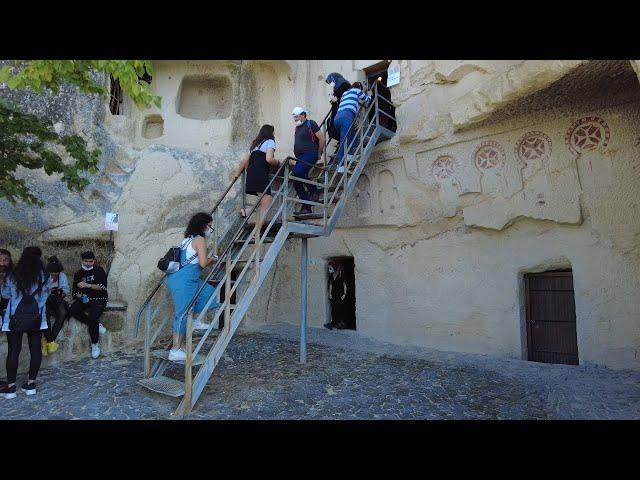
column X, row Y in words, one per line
column 170, row 263
column 27, row 317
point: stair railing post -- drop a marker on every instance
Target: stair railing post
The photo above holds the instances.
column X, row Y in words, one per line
column 188, row 380
column 215, row 232
column 326, row 179
column 257, row 244
column 147, row 341
column 227, row 294
column 244, row 190
column 285, row 193
column 377, row 114
column 303, row 300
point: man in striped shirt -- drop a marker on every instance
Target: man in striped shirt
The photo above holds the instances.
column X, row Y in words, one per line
column 346, row 115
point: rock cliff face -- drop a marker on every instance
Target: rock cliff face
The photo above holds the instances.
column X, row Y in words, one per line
column 498, row 168
column 157, row 168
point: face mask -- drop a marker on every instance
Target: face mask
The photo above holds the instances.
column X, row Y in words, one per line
column 208, row 232
column 331, row 270
column 332, row 84
column 86, row 268
column 298, row 123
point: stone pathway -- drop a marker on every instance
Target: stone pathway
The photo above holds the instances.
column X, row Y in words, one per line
column 346, row 377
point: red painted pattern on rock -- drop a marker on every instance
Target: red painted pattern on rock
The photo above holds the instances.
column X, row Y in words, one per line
column 444, row 167
column 533, row 146
column 588, row 133
column 489, row 155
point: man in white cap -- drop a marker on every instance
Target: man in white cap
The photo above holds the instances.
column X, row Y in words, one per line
column 308, row 146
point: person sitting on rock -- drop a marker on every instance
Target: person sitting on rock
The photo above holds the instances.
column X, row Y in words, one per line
column 90, row 298
column 57, row 306
column 6, row 267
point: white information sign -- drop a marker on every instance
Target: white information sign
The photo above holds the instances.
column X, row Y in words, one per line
column 111, row 221
column 393, row 77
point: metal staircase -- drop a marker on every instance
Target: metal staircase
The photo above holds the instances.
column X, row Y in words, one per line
column 246, row 254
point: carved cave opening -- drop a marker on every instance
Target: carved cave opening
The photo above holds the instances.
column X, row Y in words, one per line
column 205, row 97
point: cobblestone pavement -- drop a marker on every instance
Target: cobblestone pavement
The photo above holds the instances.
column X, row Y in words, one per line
column 346, row 377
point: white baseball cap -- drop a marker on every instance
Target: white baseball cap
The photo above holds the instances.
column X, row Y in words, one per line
column 298, row 111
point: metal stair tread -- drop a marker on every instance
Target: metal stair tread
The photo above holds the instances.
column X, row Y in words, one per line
column 164, row 385
column 253, row 241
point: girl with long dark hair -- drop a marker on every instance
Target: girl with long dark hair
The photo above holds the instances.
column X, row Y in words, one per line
column 184, row 283
column 57, row 306
column 27, row 278
column 6, row 266
column 257, row 164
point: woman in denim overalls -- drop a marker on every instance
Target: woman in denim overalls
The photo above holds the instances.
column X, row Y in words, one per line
column 184, row 283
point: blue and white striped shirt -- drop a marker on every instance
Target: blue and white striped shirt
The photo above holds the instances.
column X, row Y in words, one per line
column 351, row 98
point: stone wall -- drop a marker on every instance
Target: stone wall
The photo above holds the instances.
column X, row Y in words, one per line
column 498, row 168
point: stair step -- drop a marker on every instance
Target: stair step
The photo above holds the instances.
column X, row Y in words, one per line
column 233, row 282
column 307, row 216
column 276, row 224
column 253, row 241
column 164, row 385
column 164, row 355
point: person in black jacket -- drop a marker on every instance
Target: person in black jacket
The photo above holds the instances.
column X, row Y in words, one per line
column 339, row 85
column 89, row 291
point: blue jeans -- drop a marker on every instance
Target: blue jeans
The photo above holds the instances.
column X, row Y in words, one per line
column 183, row 285
column 342, row 122
column 301, row 170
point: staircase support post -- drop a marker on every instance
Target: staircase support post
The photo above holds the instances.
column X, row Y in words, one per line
column 303, row 301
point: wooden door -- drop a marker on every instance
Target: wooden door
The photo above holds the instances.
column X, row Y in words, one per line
column 551, row 318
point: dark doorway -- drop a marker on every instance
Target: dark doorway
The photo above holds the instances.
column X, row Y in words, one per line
column 551, row 317
column 378, row 74
column 347, row 312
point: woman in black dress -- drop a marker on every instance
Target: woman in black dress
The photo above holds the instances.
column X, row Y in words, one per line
column 257, row 164
column 337, row 296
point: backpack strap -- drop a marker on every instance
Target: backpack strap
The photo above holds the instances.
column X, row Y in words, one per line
column 189, row 260
column 314, row 139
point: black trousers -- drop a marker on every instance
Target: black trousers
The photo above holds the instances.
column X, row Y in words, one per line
column 57, row 308
column 338, row 311
column 14, row 341
column 89, row 314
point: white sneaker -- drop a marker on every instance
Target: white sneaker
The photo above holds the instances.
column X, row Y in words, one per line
column 177, row 355
column 101, row 329
column 341, row 169
column 95, row 350
column 200, row 325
